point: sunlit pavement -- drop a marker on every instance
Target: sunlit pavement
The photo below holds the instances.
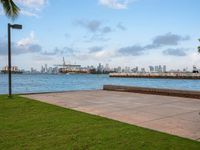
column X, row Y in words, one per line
column 174, row 115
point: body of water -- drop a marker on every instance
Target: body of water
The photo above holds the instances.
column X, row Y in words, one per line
column 53, row 83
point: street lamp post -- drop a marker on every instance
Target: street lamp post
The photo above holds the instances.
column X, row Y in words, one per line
column 14, row 26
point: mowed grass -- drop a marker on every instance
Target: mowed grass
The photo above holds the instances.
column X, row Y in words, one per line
column 31, row 125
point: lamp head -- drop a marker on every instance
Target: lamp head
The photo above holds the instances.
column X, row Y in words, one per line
column 16, row 26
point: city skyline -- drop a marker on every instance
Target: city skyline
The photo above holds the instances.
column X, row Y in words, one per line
column 104, row 68
column 129, row 33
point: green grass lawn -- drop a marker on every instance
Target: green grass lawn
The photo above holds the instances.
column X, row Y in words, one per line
column 30, row 125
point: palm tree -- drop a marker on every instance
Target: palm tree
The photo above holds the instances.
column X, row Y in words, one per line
column 10, row 8
column 199, row 47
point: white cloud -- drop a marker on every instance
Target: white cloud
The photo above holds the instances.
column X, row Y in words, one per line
column 28, row 13
column 194, row 58
column 32, row 3
column 28, row 40
column 115, row 4
column 1, row 11
column 24, row 46
column 101, row 55
column 31, row 7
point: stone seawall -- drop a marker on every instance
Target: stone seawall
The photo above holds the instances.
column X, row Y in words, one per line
column 157, row 75
column 154, row 91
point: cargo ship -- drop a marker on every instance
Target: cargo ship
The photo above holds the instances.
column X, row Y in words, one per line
column 72, row 69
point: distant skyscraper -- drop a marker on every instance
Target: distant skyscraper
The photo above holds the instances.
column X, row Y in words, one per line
column 127, row 69
column 46, row 69
column 135, row 70
column 100, row 68
column 151, row 68
column 143, row 70
column 107, row 68
column 160, row 68
column 119, row 69
column 156, row 69
column 42, row 69
column 164, row 68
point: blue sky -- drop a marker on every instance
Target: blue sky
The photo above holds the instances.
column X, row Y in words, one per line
column 118, row 32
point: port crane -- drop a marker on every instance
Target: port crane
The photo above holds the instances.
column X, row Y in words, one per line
column 64, row 65
column 69, row 68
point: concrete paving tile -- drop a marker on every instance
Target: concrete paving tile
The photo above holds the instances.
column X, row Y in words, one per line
column 163, row 110
column 187, row 104
column 132, row 117
column 191, row 116
column 174, row 126
column 174, row 115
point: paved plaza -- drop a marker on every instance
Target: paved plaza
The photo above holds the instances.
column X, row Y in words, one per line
column 173, row 115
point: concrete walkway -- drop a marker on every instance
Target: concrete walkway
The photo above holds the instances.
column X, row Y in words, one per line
column 174, row 115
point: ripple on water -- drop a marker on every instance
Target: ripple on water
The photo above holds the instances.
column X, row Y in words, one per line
column 51, row 83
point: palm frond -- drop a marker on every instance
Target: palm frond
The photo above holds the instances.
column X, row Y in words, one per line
column 199, row 49
column 10, row 8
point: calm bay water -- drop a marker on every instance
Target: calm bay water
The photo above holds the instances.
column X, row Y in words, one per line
column 52, row 83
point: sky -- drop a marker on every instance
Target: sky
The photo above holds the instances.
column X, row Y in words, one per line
column 115, row 32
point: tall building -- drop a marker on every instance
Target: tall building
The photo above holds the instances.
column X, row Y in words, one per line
column 156, row 69
column 127, row 69
column 46, row 69
column 135, row 70
column 118, row 69
column 143, row 70
column 151, row 68
column 100, row 68
column 160, row 68
column 42, row 69
column 107, row 68
column 164, row 68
